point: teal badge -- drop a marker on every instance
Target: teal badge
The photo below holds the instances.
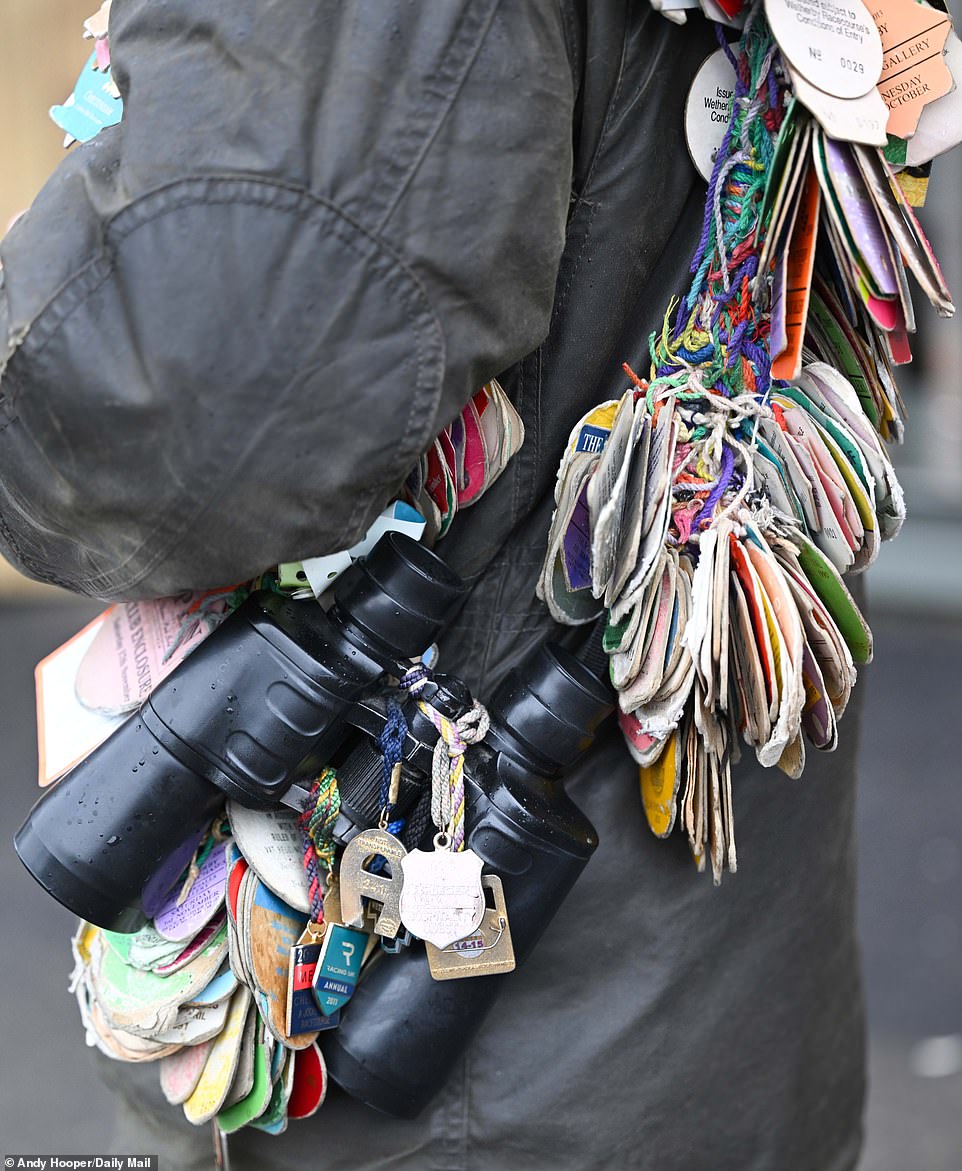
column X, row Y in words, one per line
column 91, row 107
column 338, row 967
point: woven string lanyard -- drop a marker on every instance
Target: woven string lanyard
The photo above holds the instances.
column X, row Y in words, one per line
column 317, row 830
column 718, row 334
column 447, row 767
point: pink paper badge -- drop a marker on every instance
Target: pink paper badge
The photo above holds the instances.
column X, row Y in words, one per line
column 126, row 660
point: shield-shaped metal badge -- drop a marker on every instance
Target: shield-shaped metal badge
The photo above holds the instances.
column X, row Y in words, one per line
column 442, row 899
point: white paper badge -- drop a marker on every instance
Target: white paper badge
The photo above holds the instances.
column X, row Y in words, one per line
column 845, row 119
column 128, row 657
column 181, row 921
column 271, row 842
column 398, row 517
column 66, row 730
column 834, row 44
column 708, row 110
column 442, row 899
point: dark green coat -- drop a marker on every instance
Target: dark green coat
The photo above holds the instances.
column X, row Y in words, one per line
column 229, row 325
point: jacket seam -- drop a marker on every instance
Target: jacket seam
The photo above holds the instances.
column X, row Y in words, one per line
column 569, row 23
column 342, row 219
column 52, row 316
column 565, row 290
column 490, row 633
column 583, row 197
column 609, row 115
column 462, row 66
column 516, row 478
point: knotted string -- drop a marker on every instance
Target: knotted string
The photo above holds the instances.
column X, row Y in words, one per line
column 316, row 822
column 712, row 354
column 219, row 832
column 391, row 741
column 447, row 766
column 447, row 769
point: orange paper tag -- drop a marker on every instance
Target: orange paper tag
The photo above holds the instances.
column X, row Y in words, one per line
column 798, row 283
column 914, row 72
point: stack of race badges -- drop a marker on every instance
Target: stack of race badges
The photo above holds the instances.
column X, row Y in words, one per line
column 862, row 87
column 711, row 512
column 465, row 459
column 200, row 991
column 248, row 956
column 259, row 943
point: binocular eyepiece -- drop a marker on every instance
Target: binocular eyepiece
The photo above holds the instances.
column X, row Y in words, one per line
column 543, row 717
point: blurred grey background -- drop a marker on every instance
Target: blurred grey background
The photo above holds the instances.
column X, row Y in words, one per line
column 910, row 802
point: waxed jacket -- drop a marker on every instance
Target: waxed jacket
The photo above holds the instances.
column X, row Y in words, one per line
column 227, row 328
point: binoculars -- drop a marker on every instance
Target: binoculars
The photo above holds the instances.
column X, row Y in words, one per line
column 279, row 691
column 526, row 831
column 256, row 708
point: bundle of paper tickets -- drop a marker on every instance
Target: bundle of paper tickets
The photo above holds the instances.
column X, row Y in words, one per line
column 201, row 990
column 712, row 511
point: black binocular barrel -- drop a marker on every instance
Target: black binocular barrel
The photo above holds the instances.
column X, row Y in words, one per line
column 257, row 705
column 359, row 775
column 403, row 1031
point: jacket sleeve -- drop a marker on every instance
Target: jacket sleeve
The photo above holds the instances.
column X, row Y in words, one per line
column 230, row 324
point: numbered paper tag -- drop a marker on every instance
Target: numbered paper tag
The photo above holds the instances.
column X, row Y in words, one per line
column 442, row 899
column 860, row 119
column 271, row 842
column 833, row 44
